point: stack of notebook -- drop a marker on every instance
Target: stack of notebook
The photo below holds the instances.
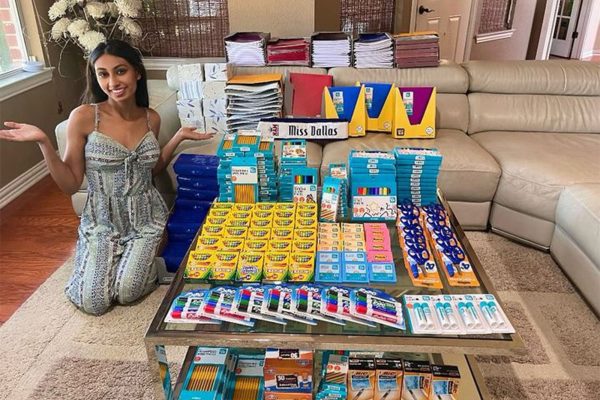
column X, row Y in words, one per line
column 246, row 48
column 332, row 49
column 374, row 50
column 252, row 98
column 419, row 49
column 288, row 52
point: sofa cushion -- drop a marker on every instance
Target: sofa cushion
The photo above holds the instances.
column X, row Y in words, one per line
column 468, row 173
column 536, row 166
column 553, row 77
column 578, row 214
column 533, row 113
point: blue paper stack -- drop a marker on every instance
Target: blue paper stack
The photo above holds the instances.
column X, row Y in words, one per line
column 197, row 187
column 417, row 172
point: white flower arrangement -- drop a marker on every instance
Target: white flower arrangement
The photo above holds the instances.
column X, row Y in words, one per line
column 89, row 23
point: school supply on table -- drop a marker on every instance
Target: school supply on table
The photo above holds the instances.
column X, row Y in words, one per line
column 306, row 302
column 334, row 375
column 447, row 248
column 308, row 93
column 374, row 50
column 246, row 48
column 373, row 195
column 185, row 308
column 414, row 112
column 247, row 383
column 417, row 49
column 347, row 103
column 293, row 154
column 331, row 49
column 340, row 171
column 417, row 171
column 207, row 377
column 251, row 98
column 463, row 314
column 388, row 379
column 377, row 306
column 288, row 373
column 361, row 378
column 218, row 306
column 445, row 382
column 288, row 51
column 249, row 300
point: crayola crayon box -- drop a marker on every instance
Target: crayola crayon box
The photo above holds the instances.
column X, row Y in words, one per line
column 209, row 371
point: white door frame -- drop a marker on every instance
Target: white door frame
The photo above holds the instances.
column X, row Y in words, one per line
column 547, row 31
column 470, row 28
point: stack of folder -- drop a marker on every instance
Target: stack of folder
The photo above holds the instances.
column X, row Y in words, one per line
column 247, row 48
column 288, row 52
column 419, row 49
column 374, row 50
column 331, row 49
column 252, row 98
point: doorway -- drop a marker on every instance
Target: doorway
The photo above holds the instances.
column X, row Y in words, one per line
column 565, row 26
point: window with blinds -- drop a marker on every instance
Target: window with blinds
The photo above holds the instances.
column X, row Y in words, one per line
column 360, row 16
column 496, row 15
column 184, row 28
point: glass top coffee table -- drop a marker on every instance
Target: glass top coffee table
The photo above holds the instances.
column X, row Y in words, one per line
column 353, row 337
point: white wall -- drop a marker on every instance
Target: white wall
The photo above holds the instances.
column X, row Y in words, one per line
column 591, row 41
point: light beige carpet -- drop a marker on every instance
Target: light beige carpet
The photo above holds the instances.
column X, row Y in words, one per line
column 49, row 350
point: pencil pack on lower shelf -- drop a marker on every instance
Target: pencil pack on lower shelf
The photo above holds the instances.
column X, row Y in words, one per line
column 247, row 383
column 208, row 374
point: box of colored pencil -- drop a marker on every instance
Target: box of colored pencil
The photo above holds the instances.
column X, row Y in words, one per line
column 305, row 181
column 293, row 154
column 330, row 200
column 208, row 373
column 340, row 171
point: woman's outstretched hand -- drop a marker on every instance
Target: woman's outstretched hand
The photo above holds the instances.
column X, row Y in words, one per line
column 22, row 133
column 192, row 134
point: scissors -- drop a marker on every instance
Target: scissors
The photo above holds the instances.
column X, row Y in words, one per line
column 420, row 256
column 408, row 209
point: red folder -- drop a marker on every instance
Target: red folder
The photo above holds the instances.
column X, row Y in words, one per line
column 308, row 93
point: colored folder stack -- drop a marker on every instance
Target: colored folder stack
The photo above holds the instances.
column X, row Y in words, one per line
column 417, row 171
column 417, row 50
column 252, row 98
column 288, row 52
column 332, row 49
column 246, row 48
column 374, row 50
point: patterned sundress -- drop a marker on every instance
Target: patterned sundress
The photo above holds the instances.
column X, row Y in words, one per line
column 121, row 224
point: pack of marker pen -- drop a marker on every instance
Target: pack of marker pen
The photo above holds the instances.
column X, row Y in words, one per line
column 377, row 306
column 185, row 308
column 218, row 305
column 278, row 303
column 306, row 302
column 208, row 374
column 336, row 304
column 248, row 302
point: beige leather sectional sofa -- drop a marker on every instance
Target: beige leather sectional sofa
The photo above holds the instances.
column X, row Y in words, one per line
column 521, row 146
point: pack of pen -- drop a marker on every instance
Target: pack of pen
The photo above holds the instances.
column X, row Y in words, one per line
column 417, row 380
column 248, row 302
column 361, row 378
column 336, row 304
column 185, row 308
column 288, row 374
column 340, row 171
column 376, row 306
column 218, row 306
column 388, row 379
column 417, row 256
column 306, row 302
column 445, row 382
column 278, row 303
column 447, row 248
column 209, row 372
column 247, row 383
column 417, row 171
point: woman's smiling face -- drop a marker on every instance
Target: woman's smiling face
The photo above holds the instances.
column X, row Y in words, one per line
column 117, row 77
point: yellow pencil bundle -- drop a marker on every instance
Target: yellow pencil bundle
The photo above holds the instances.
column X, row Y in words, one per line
column 246, row 388
column 203, row 378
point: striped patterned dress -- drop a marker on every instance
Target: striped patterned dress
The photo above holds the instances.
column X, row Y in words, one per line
column 121, row 225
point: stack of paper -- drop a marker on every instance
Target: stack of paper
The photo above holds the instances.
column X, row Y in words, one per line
column 246, row 48
column 419, row 49
column 374, row 50
column 288, row 52
column 331, row 50
column 252, row 98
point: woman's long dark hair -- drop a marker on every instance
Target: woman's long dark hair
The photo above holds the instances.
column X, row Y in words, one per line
column 93, row 92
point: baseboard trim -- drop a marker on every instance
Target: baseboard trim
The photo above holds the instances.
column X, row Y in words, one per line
column 23, row 182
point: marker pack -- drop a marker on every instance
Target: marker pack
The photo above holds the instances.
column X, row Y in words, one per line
column 306, row 302
column 388, row 379
column 336, row 304
column 218, row 305
column 377, row 306
column 278, row 303
column 248, row 302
